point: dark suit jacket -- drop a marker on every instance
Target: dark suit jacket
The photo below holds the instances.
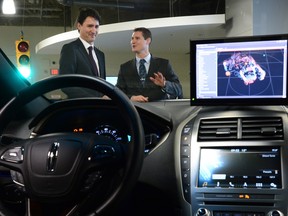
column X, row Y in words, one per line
column 74, row 59
column 129, row 81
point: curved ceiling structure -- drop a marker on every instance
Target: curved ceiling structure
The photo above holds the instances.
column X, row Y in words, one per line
column 173, row 33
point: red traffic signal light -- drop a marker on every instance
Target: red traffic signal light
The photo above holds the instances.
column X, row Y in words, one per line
column 22, row 53
column 23, row 46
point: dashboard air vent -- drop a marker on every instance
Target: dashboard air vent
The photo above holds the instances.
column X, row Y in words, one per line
column 250, row 128
column 218, row 129
column 262, row 128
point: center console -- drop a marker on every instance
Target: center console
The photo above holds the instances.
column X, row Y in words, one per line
column 234, row 163
column 233, row 152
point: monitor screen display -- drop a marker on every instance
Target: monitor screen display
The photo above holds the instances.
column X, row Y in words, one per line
column 112, row 79
column 239, row 71
column 245, row 167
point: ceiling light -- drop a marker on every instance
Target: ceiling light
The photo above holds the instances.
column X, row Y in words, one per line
column 8, row 7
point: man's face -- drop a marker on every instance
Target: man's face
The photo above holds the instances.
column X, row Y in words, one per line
column 89, row 29
column 138, row 43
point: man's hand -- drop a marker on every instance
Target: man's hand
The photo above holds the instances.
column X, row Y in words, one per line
column 158, row 79
column 105, row 97
column 139, row 98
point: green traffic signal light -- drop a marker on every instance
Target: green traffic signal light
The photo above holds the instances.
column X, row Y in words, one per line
column 24, row 60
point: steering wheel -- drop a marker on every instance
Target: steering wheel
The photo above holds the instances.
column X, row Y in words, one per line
column 74, row 167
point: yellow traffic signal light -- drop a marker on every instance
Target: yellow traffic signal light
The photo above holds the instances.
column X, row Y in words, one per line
column 23, row 57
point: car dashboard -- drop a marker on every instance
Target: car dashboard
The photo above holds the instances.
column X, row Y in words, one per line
column 205, row 160
column 233, row 161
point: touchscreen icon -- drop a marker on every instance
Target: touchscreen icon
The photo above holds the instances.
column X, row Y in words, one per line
column 272, row 185
column 205, row 184
column 187, row 129
column 259, row 185
column 231, row 184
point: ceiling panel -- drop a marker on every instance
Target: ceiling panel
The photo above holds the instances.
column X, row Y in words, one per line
column 60, row 12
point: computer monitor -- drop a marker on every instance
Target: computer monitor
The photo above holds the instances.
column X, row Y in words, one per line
column 249, row 70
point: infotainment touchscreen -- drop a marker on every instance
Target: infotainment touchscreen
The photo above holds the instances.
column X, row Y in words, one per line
column 244, row 167
column 250, row 70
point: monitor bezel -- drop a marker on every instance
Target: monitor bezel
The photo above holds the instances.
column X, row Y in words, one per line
column 225, row 101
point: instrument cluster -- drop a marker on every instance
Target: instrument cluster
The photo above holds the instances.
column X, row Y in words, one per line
column 104, row 120
column 106, row 130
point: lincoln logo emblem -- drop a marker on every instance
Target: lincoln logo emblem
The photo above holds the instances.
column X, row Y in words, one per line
column 52, row 157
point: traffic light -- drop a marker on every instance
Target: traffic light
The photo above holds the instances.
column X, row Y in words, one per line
column 23, row 57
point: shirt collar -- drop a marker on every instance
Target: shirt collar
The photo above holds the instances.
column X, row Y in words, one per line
column 147, row 58
column 85, row 43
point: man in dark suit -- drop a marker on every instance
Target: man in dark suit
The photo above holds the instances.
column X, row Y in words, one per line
column 74, row 57
column 157, row 81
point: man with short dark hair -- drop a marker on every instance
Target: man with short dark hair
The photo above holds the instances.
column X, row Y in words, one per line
column 147, row 78
column 81, row 56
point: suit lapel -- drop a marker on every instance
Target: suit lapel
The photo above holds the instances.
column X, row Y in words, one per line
column 134, row 71
column 83, row 52
column 100, row 61
column 153, row 67
column 131, row 73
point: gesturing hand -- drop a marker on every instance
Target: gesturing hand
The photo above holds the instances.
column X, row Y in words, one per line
column 158, row 79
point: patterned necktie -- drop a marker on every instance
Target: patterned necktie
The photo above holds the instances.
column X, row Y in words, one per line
column 142, row 71
column 95, row 69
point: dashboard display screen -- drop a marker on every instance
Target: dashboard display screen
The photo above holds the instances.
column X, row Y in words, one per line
column 245, row 167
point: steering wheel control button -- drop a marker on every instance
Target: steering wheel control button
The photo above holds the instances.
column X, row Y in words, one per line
column 102, row 152
column 17, row 178
column 91, row 179
column 14, row 155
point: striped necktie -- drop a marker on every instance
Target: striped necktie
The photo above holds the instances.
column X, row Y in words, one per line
column 142, row 71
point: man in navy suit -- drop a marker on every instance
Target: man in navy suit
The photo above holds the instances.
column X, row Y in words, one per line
column 74, row 57
column 159, row 82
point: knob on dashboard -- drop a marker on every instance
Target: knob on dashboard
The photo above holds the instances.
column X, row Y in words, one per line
column 203, row 212
column 275, row 213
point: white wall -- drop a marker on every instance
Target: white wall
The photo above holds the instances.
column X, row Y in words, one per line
column 40, row 64
column 239, row 18
column 270, row 17
column 256, row 17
